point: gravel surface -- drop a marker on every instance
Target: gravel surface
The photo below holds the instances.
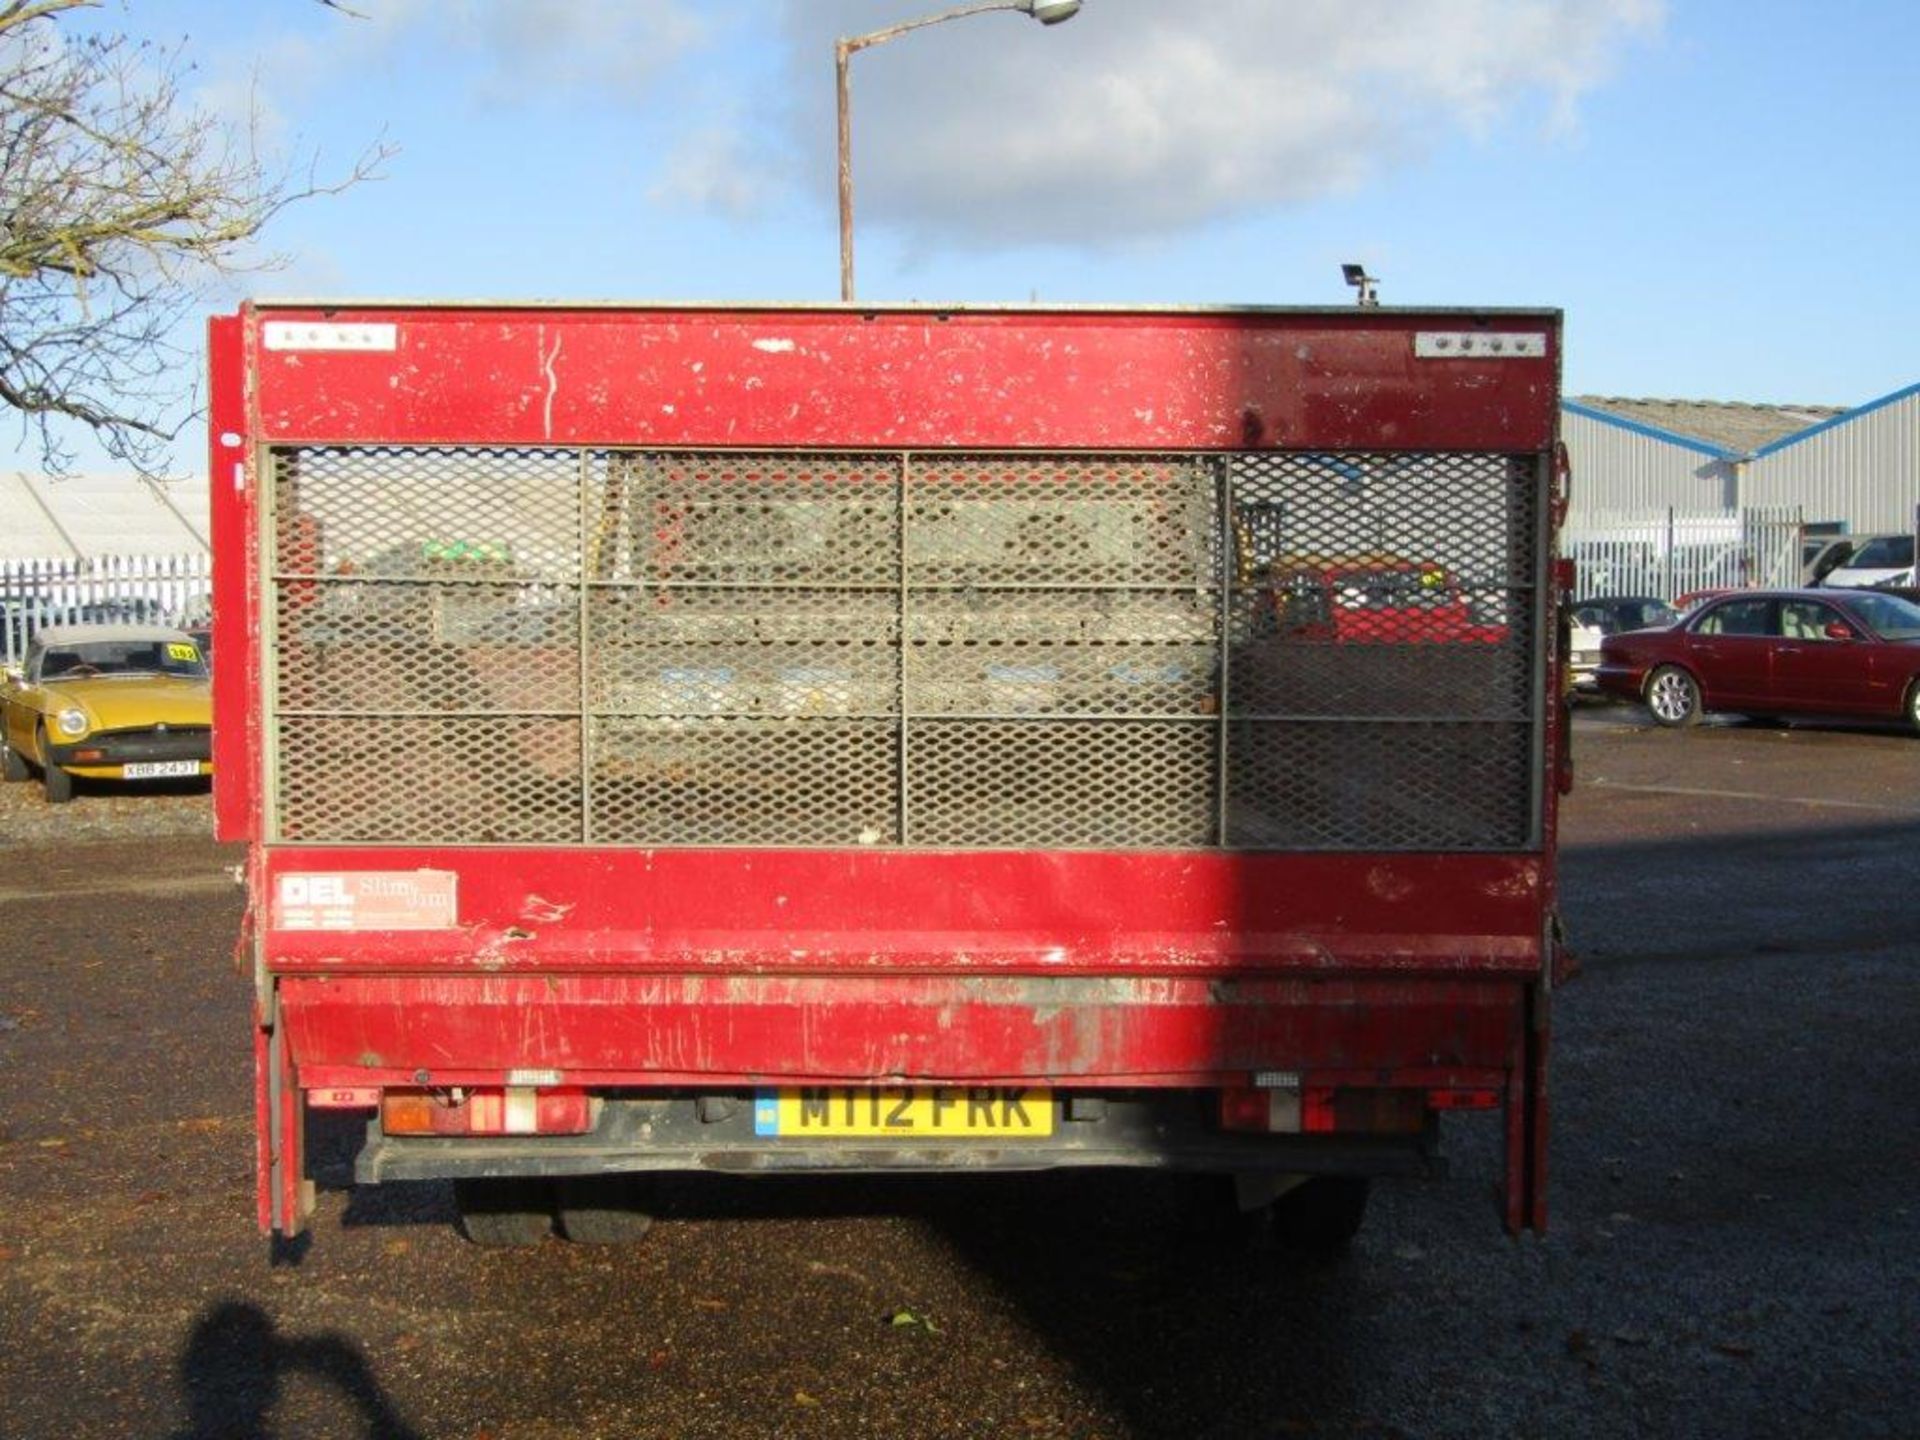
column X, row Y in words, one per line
column 102, row 811
column 1735, row 1247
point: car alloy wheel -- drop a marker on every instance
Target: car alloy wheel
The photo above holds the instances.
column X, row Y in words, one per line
column 1673, row 697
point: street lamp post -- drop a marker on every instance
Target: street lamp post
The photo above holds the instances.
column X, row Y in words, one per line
column 1047, row 12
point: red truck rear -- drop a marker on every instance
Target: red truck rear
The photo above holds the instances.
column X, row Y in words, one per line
column 758, row 739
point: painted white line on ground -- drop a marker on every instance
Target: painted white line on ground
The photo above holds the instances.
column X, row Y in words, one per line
column 184, row 885
column 1771, row 799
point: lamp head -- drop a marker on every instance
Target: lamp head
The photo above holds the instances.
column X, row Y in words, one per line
column 1052, row 12
column 1356, row 276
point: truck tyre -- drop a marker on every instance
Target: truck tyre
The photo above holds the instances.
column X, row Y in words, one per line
column 12, row 767
column 503, row 1214
column 58, row 783
column 1673, row 697
column 605, row 1209
column 1321, row 1218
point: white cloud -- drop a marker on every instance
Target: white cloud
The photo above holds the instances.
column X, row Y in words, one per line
column 716, row 169
column 535, row 48
column 1147, row 117
column 512, row 51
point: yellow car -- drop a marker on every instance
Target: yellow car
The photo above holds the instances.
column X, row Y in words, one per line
column 109, row 702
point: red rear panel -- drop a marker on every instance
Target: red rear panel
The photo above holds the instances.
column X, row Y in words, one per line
column 723, row 695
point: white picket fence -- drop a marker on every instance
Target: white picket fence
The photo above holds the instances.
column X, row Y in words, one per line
column 1664, row 553
column 138, row 589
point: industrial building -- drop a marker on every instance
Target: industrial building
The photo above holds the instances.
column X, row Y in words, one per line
column 1846, row 470
column 1858, row 472
column 1673, row 495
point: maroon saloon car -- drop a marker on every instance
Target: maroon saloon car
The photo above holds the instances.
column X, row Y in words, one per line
column 1849, row 653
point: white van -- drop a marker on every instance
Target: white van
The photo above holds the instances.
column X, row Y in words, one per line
column 1878, row 560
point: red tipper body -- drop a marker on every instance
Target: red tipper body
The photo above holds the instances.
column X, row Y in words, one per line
column 671, row 737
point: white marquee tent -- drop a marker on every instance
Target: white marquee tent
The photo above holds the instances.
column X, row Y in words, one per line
column 81, row 517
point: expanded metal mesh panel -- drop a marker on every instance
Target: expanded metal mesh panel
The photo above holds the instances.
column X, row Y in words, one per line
column 1277, row 676
column 1131, row 522
column 1258, row 650
column 673, row 518
column 1088, row 652
column 1384, row 786
column 1043, row 783
column 746, row 782
column 427, row 514
column 429, row 780
column 380, row 647
column 1382, row 588
column 655, row 651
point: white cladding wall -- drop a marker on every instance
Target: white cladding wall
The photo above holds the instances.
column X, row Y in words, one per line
column 1616, row 468
column 1864, row 471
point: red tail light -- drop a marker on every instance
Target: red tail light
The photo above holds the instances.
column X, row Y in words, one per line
column 487, row 1110
column 1280, row 1110
column 1327, row 1109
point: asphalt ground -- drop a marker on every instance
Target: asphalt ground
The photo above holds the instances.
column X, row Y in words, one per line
column 1734, row 1251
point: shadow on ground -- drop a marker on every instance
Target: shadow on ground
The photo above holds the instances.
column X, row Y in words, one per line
column 236, row 1365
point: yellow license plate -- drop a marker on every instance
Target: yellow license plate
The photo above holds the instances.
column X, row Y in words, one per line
column 909, row 1113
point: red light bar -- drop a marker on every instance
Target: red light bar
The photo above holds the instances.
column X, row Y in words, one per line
column 490, row 1110
column 1327, row 1109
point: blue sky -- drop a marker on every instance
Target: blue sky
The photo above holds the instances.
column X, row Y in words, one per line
column 1720, row 193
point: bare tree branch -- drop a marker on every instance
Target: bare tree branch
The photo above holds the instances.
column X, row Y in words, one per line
column 122, row 207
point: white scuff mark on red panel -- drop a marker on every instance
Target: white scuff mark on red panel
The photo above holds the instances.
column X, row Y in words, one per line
column 1520, row 884
column 777, row 346
column 547, row 361
column 542, row 911
column 1386, row 883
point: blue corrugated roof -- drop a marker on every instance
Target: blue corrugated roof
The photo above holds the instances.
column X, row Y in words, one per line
column 1652, row 432
column 1841, row 419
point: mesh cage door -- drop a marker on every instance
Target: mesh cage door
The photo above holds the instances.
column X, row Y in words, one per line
column 1264, row 651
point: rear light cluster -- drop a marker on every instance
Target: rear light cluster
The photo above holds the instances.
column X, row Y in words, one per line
column 488, row 1110
column 1335, row 1109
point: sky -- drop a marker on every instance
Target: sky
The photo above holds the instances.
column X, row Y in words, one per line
column 1721, row 194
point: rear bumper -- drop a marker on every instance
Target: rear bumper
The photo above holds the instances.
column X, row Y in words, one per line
column 1134, row 1064
column 714, row 1032
column 1170, row 1131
